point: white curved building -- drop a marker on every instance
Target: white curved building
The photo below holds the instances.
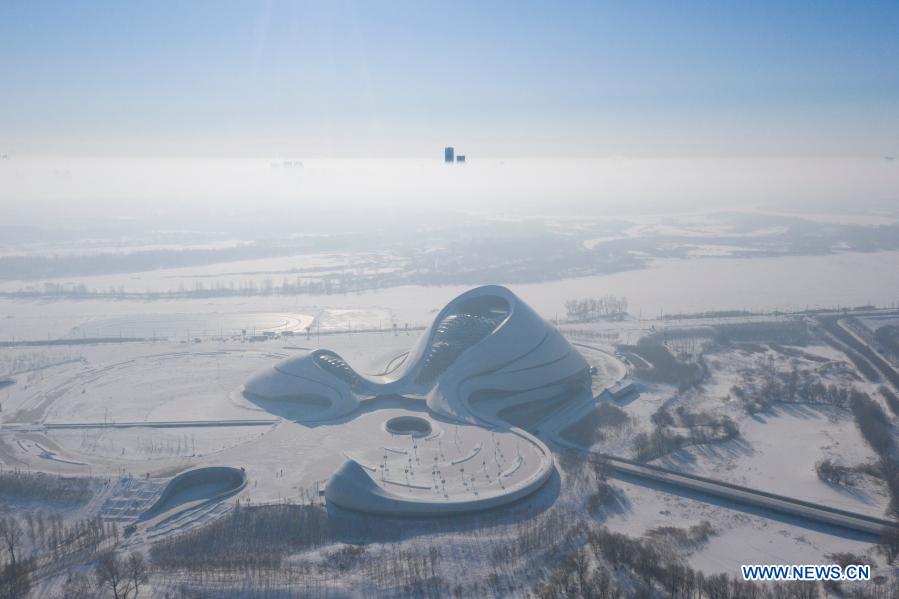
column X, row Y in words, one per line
column 487, row 363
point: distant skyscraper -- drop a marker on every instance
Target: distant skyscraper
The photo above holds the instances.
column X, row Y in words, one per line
column 460, row 158
column 448, row 154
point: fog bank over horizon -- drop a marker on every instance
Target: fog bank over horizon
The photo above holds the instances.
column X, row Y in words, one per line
column 186, row 193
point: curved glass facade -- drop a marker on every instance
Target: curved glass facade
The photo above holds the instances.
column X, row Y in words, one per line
column 458, row 331
column 337, row 366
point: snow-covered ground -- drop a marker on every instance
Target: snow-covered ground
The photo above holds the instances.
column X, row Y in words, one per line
column 740, row 537
column 122, row 385
column 776, row 451
column 94, row 406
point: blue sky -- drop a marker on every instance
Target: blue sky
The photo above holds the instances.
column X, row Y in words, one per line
column 498, row 78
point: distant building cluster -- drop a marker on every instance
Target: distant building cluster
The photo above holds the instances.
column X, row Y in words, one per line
column 287, row 164
column 450, row 156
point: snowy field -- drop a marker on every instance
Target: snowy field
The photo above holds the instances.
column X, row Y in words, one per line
column 111, row 408
column 131, row 415
column 776, row 451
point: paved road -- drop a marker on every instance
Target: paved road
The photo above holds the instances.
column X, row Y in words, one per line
column 73, row 341
column 789, row 506
column 870, row 353
column 172, row 424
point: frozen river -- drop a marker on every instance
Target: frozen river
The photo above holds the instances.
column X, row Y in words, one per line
column 669, row 286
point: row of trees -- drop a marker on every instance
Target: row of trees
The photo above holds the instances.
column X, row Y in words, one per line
column 45, row 487
column 766, row 385
column 595, row 308
column 835, row 473
column 18, row 362
column 108, row 263
column 248, row 550
column 873, row 423
column 595, row 426
column 787, row 332
column 654, row 362
column 15, row 572
column 44, row 535
column 38, row 541
column 122, row 577
column 265, row 549
column 875, row 427
column 262, row 535
column 340, row 284
column 702, row 428
column 612, row 565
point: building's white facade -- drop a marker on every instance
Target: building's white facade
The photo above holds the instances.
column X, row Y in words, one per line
column 488, row 362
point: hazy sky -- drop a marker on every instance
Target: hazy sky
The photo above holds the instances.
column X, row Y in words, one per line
column 333, row 79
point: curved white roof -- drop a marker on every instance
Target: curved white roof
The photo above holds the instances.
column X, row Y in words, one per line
column 486, row 360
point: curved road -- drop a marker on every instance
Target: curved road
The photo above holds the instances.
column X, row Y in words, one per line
column 814, row 512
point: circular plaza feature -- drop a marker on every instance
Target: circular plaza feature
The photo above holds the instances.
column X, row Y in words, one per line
column 408, row 425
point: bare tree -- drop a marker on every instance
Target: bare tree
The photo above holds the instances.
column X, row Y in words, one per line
column 889, row 543
column 137, row 571
column 11, row 536
column 78, row 586
column 111, row 572
column 15, row 580
column 581, row 565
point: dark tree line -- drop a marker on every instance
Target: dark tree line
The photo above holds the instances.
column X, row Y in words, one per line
column 663, row 366
column 788, row 332
column 45, row 487
column 703, row 427
column 47, row 267
column 833, row 473
column 593, row 427
column 36, row 540
column 612, row 565
column 683, row 538
column 595, row 308
column 873, row 423
column 340, row 284
column 15, row 573
column 874, row 426
column 247, row 537
column 767, row 386
column 123, row 577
